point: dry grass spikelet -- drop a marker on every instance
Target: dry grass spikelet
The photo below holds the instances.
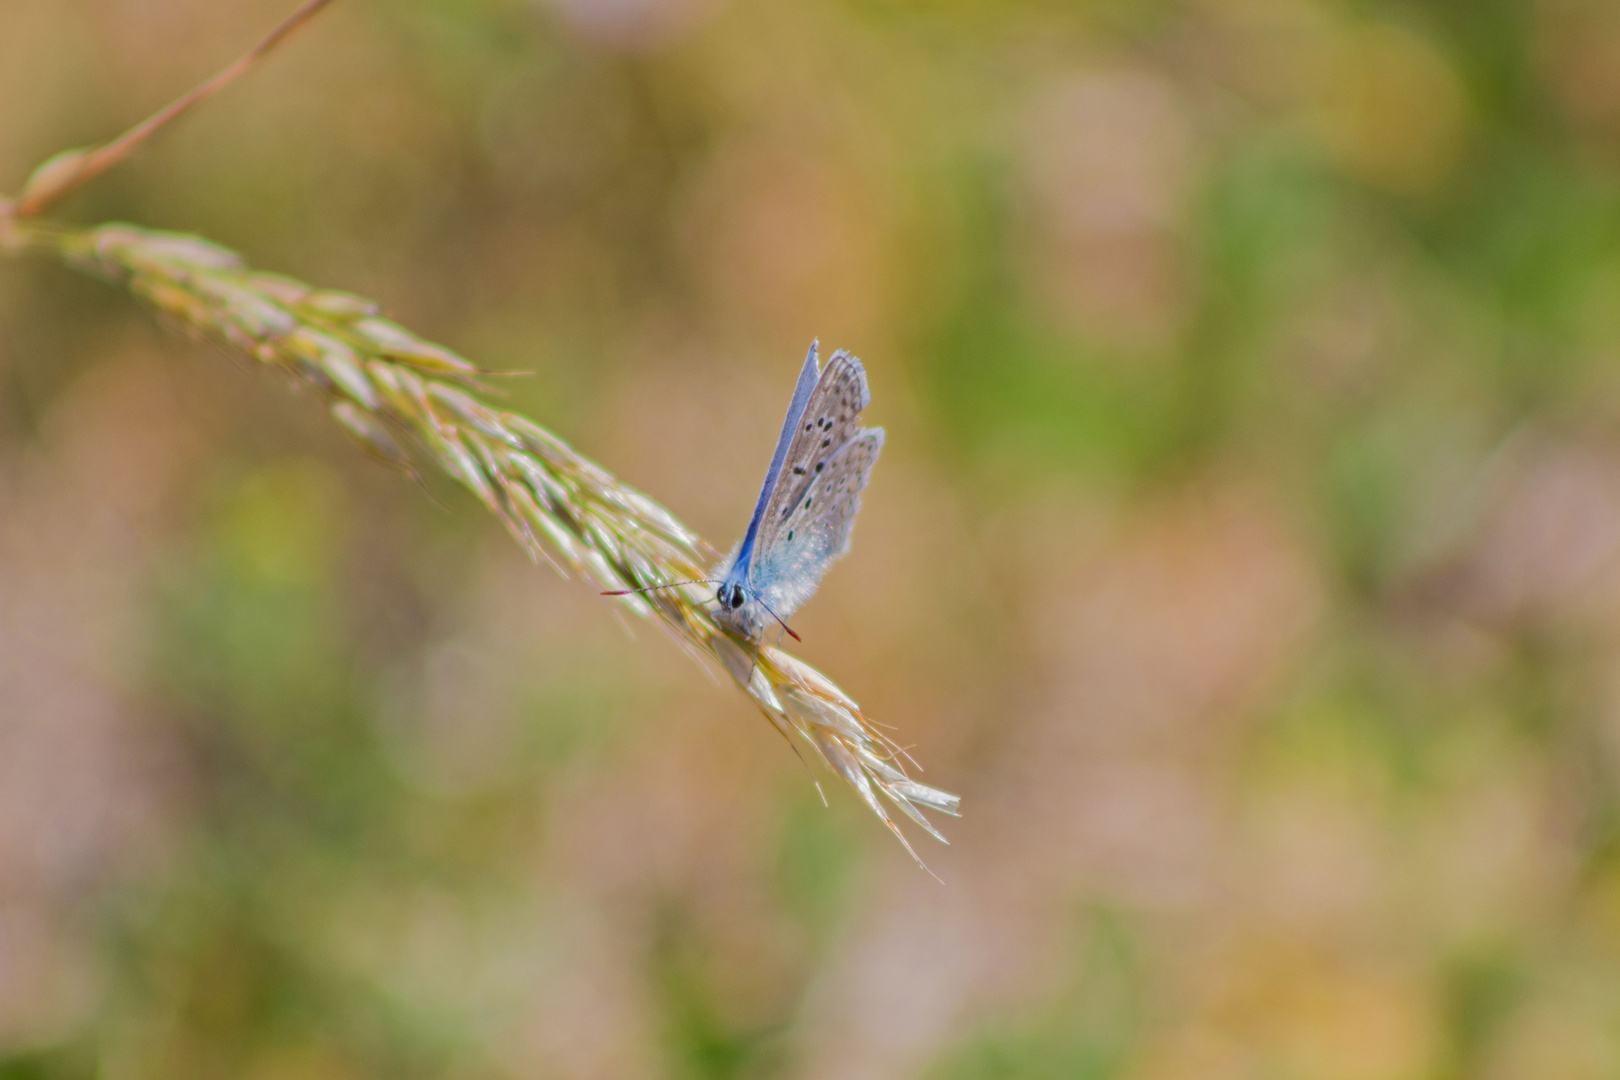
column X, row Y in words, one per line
column 404, row 399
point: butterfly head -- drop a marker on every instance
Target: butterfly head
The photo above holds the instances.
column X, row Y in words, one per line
column 744, row 613
column 739, row 610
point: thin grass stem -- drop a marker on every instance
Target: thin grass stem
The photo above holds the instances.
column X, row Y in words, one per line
column 72, row 169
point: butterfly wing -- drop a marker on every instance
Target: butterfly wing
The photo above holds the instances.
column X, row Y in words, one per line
column 829, row 419
column 802, row 391
column 815, row 530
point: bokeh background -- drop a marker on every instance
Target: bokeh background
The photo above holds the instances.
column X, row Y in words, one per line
column 1245, row 551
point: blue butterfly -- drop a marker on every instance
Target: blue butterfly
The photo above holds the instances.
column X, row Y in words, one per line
column 808, row 502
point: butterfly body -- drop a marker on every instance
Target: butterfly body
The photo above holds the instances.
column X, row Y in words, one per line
column 807, row 505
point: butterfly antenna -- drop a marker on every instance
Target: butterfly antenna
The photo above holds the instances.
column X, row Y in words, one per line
column 667, row 585
column 781, row 620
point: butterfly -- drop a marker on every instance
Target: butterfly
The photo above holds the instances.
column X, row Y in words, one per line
column 807, row 505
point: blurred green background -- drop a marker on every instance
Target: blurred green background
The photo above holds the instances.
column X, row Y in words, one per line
column 1246, row 548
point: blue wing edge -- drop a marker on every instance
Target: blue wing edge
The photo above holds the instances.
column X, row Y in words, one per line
column 806, row 385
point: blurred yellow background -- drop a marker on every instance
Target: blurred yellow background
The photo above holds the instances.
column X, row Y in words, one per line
column 1245, row 549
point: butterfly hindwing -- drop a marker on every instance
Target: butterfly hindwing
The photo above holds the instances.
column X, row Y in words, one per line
column 815, row 530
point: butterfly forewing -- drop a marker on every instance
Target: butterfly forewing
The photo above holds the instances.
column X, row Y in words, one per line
column 830, row 419
column 815, row 530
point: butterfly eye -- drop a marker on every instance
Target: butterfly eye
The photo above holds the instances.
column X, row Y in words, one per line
column 736, row 596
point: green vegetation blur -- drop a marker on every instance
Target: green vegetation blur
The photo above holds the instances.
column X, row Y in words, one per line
column 1245, row 549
